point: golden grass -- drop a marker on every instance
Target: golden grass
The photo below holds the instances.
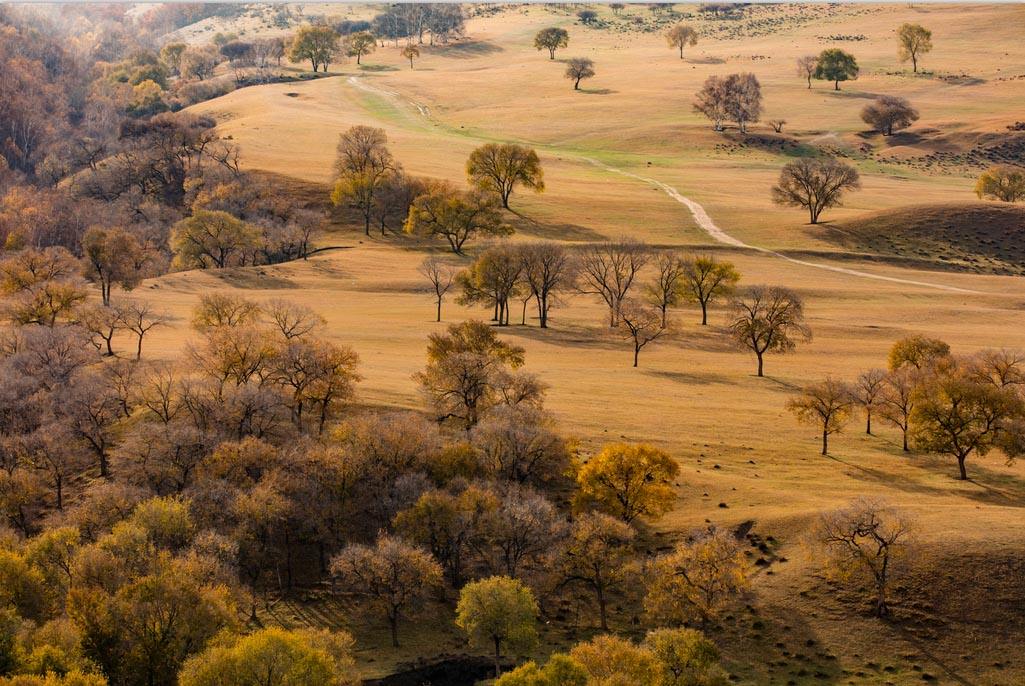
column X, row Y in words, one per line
column 693, row 394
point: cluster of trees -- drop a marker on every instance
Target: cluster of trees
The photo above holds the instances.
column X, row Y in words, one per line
column 577, row 68
column 954, row 405
column 1002, row 182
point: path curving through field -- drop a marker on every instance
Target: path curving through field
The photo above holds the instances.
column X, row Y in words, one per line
column 701, row 217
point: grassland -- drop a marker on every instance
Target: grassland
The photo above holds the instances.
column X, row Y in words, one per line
column 743, row 456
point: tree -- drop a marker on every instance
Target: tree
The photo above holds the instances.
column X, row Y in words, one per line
column 211, row 238
column 826, row 404
column 587, row 17
column 102, row 323
column 410, row 52
column 889, row 113
column 363, row 165
column 363, row 43
column 836, row 65
column 578, row 69
column 737, row 97
column 958, row 415
column 441, row 277
column 865, row 539
column 667, row 288
column 455, row 216
column 140, row 317
column 768, row 319
column 616, row 7
column 274, row 657
column 608, row 269
column 551, row 39
column 700, row 577
column 868, row 391
column 171, row 55
column 498, row 611
column 806, row 67
column 492, row 280
column 705, row 279
column 216, row 310
column 547, row 270
column 112, row 256
column 318, row 44
column 392, row 576
column 643, row 324
column 629, row 481
column 560, row 670
column 816, row 184
column 291, row 319
column 199, row 62
column 1002, row 182
column 915, row 40
column 918, row 352
column 610, row 659
column 898, row 400
column 681, row 36
column 498, row 168
column 685, row 658
column 598, row 554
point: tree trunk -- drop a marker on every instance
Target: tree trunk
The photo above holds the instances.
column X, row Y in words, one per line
column 602, row 611
column 138, row 349
column 60, row 493
column 905, row 431
column 681, row 57
column 704, row 313
column 637, row 351
column 366, row 224
column 394, row 623
column 759, row 364
column 836, row 85
column 868, row 422
column 914, row 64
column 825, row 442
column 439, row 310
column 961, row 466
column 498, row 654
column 576, row 85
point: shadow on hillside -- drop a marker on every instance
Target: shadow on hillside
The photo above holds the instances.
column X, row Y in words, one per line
column 598, row 91
column 561, row 334
column 253, row 278
column 695, row 378
column 563, row 232
column 705, row 60
column 864, row 95
column 467, row 50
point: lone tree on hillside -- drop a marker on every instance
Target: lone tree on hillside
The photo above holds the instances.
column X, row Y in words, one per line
column 889, row 113
column 498, row 611
column 455, row 216
column 551, row 39
column 616, row 7
column 836, row 65
column 587, row 17
column 706, row 279
column 826, row 404
column 410, row 52
column 363, row 43
column 864, row 539
column 499, row 167
column 815, row 184
column 441, row 277
column 767, row 319
column 1002, row 182
column 806, row 66
column 643, row 324
column 915, row 40
column 318, row 44
column 680, row 36
column 578, row 69
column 363, row 165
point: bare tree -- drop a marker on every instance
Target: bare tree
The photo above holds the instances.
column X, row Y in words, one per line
column 441, row 277
column 827, row 404
column 866, row 538
column 139, row 318
column 643, row 323
column 547, row 271
column 898, row 400
column 868, row 391
column 768, row 319
column 362, row 165
column 815, row 184
column 292, row 319
column 609, row 269
column 102, row 322
column 806, row 66
column 665, row 291
column 578, row 69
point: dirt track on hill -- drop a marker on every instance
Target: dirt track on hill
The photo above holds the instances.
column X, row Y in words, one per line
column 701, row 217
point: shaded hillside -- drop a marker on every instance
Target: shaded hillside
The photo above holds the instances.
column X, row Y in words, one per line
column 980, row 237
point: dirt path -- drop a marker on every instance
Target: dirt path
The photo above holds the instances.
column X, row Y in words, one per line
column 701, row 217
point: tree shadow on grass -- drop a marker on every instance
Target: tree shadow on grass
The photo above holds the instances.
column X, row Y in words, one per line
column 467, row 49
column 553, row 231
column 598, row 91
